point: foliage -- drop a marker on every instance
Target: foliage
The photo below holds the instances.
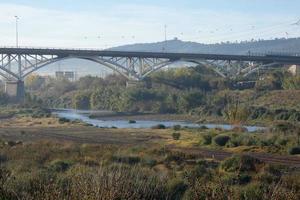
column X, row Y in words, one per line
column 242, row 163
column 221, row 140
column 235, row 113
column 272, row 81
column 34, row 82
column 176, row 135
column 294, row 150
column 159, row 126
column 47, row 170
column 81, row 101
column 3, row 98
column 292, row 83
column 206, row 139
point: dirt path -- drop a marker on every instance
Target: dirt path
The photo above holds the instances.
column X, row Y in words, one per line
column 293, row 161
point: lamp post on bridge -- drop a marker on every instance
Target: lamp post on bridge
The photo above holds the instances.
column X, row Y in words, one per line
column 17, row 31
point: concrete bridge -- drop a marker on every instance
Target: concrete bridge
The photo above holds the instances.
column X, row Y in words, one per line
column 17, row 63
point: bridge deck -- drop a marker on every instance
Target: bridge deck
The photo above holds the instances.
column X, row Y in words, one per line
column 171, row 56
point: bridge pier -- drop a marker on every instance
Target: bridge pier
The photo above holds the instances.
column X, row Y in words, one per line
column 15, row 90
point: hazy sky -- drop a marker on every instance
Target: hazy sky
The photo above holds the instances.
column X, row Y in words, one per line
column 101, row 24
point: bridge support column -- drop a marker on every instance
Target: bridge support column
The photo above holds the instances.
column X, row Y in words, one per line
column 294, row 70
column 15, row 90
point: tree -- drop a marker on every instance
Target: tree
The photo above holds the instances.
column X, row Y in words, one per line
column 3, row 98
column 190, row 100
column 81, row 101
column 236, row 113
column 34, row 82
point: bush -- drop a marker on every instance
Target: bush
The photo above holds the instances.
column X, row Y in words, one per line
column 159, row 126
column 251, row 191
column 63, row 120
column 59, row 165
column 206, row 139
column 176, row 127
column 294, row 151
column 203, row 127
column 176, row 135
column 240, row 179
column 176, row 188
column 284, row 127
column 149, row 162
column 243, row 163
column 131, row 160
column 221, row 140
column 3, row 158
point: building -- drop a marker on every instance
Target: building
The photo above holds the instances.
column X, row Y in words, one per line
column 295, row 70
column 70, row 75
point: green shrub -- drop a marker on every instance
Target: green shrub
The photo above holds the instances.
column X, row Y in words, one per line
column 3, row 158
column 159, row 126
column 60, row 165
column 176, row 135
column 63, row 120
column 131, row 160
column 203, row 169
column 237, row 179
column 221, row 140
column 206, row 139
column 149, row 162
column 176, row 188
column 284, row 127
column 176, row 127
column 294, row 151
column 251, row 191
column 175, row 156
column 240, row 163
column 236, row 141
column 203, row 127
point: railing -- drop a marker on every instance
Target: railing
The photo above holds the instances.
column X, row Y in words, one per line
column 257, row 54
column 274, row 53
column 50, row 48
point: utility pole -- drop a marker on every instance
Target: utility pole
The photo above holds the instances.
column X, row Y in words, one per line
column 165, row 48
column 17, row 31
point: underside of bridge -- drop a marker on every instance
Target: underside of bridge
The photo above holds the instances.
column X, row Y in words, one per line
column 15, row 67
column 16, row 64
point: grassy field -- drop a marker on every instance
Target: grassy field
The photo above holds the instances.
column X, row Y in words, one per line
column 45, row 158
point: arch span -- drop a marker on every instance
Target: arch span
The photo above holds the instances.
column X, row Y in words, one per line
column 45, row 63
column 132, row 68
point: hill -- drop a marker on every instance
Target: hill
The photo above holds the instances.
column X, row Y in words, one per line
column 262, row 46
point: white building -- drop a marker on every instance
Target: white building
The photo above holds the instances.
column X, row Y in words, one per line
column 295, row 70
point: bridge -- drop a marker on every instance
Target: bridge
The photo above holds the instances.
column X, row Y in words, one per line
column 17, row 63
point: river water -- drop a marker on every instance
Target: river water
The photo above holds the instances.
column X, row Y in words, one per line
column 84, row 117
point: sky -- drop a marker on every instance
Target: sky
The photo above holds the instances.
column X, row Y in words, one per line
column 103, row 24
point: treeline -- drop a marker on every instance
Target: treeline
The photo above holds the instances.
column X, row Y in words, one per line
column 195, row 90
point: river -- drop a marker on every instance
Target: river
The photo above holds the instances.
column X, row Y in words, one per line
column 117, row 123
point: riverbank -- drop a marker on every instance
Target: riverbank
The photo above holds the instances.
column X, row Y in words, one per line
column 142, row 121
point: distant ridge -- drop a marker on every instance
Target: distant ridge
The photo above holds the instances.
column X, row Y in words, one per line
column 177, row 46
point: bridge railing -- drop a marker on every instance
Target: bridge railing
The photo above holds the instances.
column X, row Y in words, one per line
column 249, row 53
column 274, row 53
column 55, row 48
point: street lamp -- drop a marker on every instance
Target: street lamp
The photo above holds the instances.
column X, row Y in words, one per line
column 17, row 31
column 165, row 43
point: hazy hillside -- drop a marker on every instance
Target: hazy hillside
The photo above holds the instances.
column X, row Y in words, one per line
column 277, row 45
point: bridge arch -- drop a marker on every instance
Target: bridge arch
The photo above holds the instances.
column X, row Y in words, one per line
column 99, row 61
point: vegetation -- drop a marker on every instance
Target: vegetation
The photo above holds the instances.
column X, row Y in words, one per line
column 161, row 162
column 48, row 170
column 176, row 91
